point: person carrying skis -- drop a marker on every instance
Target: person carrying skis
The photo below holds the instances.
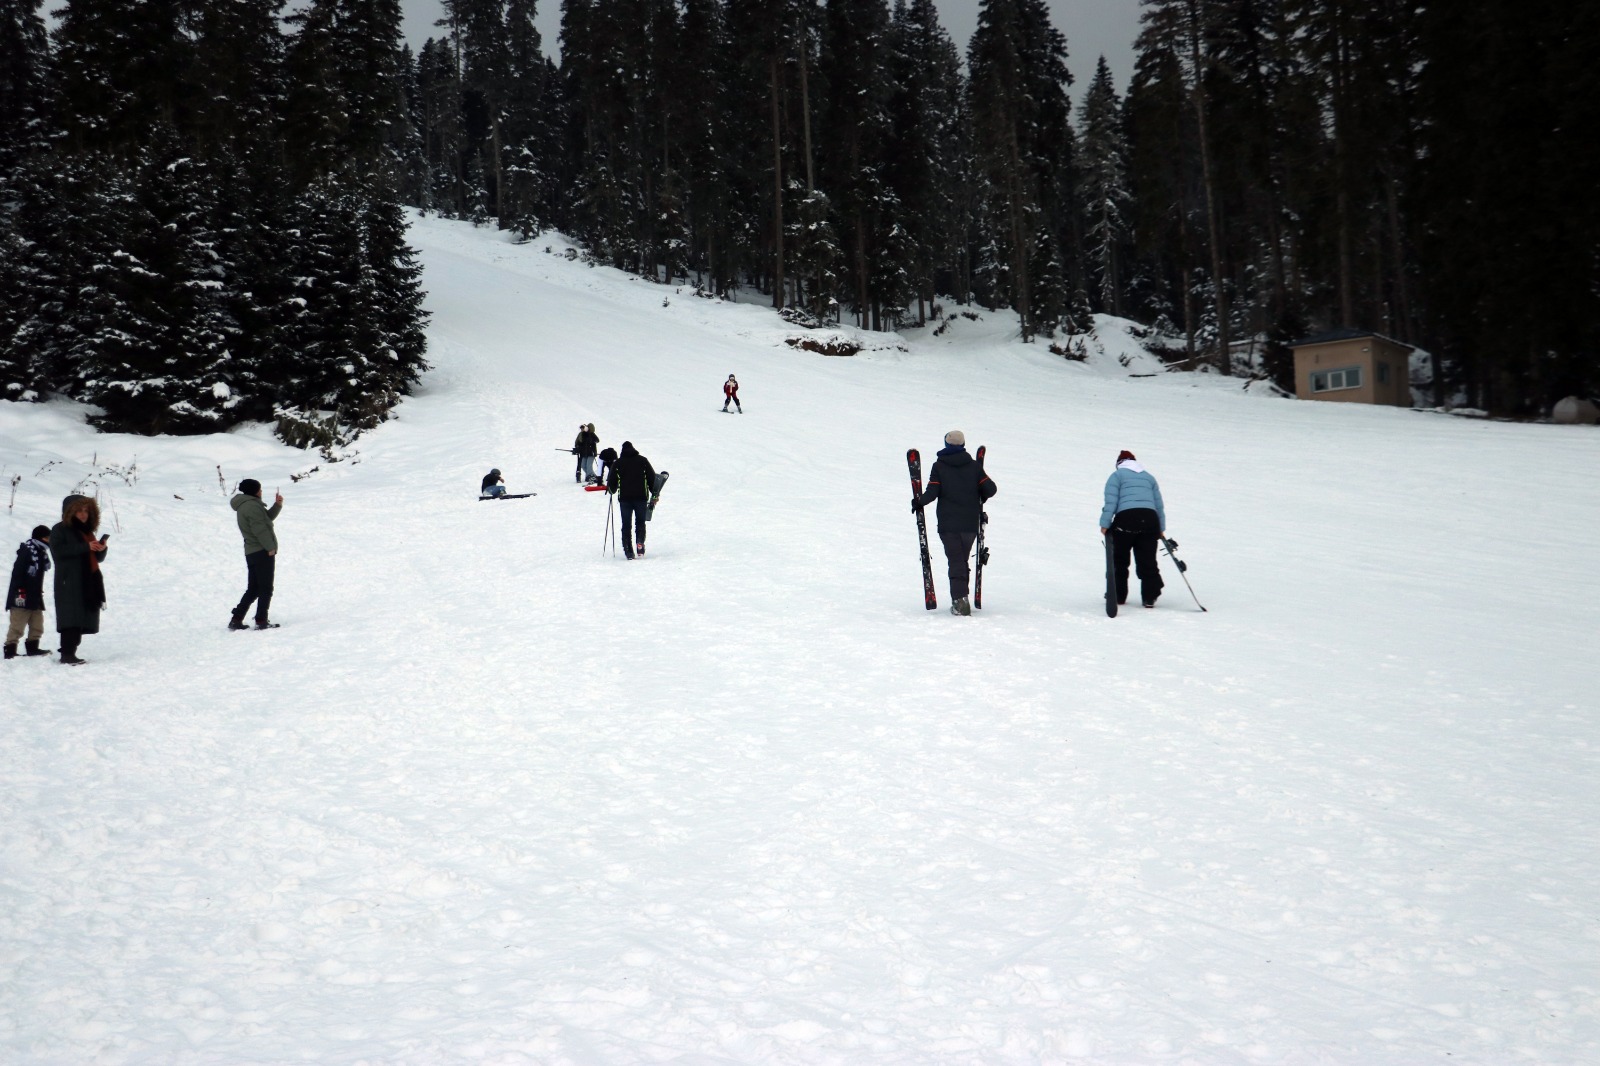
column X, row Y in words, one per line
column 960, row 486
column 585, row 448
column 25, row 594
column 633, row 480
column 730, row 392
column 1133, row 516
column 493, row 484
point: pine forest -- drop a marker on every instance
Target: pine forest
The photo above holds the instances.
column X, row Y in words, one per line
column 202, row 202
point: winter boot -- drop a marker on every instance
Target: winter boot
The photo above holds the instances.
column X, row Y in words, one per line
column 33, row 648
column 639, row 550
column 11, row 651
column 71, row 658
column 236, row 620
column 961, row 606
column 262, row 623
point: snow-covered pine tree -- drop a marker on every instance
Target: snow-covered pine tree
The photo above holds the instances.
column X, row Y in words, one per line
column 1104, row 187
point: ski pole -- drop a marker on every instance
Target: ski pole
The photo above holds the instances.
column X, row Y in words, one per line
column 611, row 506
column 1169, row 544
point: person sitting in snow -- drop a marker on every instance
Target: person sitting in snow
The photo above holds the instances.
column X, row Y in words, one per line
column 25, row 594
column 730, row 392
column 960, row 486
column 1134, row 518
column 493, row 484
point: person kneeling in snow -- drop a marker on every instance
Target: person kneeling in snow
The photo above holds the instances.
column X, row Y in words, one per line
column 1134, row 518
column 493, row 484
column 25, row 594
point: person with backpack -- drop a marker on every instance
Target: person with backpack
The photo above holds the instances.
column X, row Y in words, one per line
column 730, row 393
column 633, row 481
column 960, row 485
column 1135, row 519
column 25, row 594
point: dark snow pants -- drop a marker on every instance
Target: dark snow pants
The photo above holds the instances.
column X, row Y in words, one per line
column 957, row 552
column 633, row 514
column 1137, row 531
column 258, row 591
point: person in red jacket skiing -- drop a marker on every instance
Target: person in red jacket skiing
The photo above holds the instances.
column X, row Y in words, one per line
column 730, row 391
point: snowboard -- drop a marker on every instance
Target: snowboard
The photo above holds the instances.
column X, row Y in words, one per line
column 510, row 496
column 655, row 494
column 1111, row 576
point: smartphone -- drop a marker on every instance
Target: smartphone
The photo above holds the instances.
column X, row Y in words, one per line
column 104, row 537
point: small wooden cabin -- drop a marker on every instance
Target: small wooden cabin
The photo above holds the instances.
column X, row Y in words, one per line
column 1350, row 366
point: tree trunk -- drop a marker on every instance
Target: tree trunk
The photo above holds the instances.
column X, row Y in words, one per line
column 1213, row 221
column 777, row 189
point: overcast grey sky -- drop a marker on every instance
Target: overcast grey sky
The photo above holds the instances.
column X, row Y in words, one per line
column 1093, row 28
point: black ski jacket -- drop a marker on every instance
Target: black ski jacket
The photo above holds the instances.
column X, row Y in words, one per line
column 631, row 477
column 586, row 443
column 960, row 486
column 27, row 576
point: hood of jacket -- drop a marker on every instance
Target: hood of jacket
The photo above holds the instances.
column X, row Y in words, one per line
column 954, row 455
column 242, row 499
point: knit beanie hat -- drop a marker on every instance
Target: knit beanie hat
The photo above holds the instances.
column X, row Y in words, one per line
column 956, row 439
column 249, row 486
column 1125, row 454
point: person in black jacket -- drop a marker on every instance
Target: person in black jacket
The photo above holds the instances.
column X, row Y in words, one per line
column 633, row 480
column 584, row 446
column 25, row 594
column 960, row 486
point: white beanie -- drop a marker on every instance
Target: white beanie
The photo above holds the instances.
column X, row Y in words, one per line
column 956, row 439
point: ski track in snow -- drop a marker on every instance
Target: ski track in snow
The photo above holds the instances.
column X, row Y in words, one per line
column 493, row 796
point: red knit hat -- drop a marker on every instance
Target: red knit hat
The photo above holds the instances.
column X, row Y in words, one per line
column 1126, row 454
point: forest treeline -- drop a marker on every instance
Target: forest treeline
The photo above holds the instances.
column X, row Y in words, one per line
column 1276, row 168
column 200, row 221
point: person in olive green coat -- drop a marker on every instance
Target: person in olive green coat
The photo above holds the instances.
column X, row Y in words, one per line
column 80, row 589
column 260, row 552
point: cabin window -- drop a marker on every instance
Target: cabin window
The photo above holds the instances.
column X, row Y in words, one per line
column 1332, row 380
column 1383, row 373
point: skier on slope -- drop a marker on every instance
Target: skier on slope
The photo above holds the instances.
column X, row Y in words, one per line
column 494, row 484
column 730, row 392
column 633, row 480
column 1134, row 518
column 960, row 486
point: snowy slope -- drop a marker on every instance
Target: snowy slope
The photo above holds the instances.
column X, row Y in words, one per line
column 491, row 796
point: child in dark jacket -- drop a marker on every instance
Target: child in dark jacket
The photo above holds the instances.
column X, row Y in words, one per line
column 25, row 593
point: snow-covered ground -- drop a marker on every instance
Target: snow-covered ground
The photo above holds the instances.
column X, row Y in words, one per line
column 492, row 796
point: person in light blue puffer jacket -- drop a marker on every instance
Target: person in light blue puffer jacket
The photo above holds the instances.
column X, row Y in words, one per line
column 1134, row 517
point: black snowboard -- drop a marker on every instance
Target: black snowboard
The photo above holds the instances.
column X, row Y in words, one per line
column 1111, row 576
column 655, row 494
column 510, row 496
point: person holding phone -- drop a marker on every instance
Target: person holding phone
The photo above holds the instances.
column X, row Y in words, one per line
column 260, row 552
column 80, row 589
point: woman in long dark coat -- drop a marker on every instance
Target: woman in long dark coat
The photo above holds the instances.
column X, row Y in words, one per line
column 80, row 590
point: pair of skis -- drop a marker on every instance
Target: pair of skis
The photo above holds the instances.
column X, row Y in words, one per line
column 930, row 599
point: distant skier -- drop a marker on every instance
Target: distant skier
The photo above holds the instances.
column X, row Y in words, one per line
column 584, row 448
column 960, row 486
column 1134, row 518
column 25, row 594
column 633, row 480
column 730, row 393
column 493, row 484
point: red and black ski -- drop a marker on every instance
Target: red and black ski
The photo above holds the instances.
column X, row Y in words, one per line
column 983, row 553
column 914, row 463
